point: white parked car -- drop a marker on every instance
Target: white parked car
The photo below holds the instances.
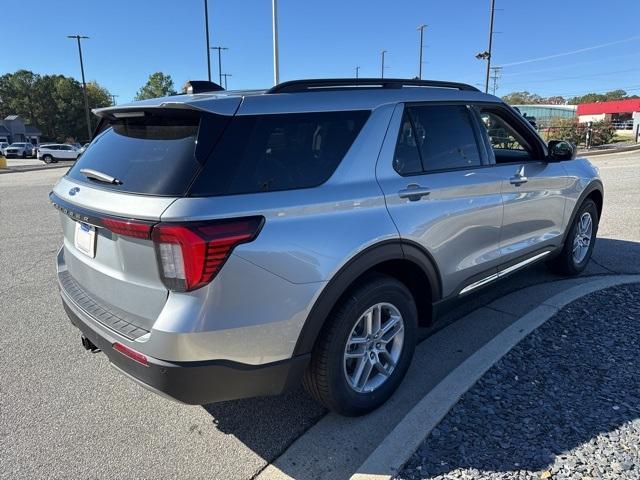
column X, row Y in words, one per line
column 3, row 145
column 57, row 151
column 20, row 149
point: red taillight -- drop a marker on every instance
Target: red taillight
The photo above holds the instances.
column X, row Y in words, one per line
column 191, row 254
column 132, row 354
column 130, row 228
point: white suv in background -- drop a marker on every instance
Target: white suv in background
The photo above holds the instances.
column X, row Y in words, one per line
column 58, row 151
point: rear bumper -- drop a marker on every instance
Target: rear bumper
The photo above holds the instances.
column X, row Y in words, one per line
column 195, row 383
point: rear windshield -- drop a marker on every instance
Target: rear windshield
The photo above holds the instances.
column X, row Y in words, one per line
column 262, row 153
column 155, row 153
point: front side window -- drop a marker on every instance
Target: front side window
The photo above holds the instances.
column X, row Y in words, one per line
column 435, row 138
column 507, row 144
column 264, row 153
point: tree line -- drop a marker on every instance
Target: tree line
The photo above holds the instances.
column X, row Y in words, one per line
column 527, row 98
column 55, row 103
column 52, row 103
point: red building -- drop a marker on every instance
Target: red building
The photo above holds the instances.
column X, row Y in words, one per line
column 621, row 113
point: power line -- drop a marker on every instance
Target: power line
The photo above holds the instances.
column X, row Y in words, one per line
column 571, row 65
column 572, row 52
column 601, row 74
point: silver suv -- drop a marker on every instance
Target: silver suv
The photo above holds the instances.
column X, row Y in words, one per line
column 220, row 245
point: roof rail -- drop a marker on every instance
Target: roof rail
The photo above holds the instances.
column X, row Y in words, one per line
column 201, row 86
column 329, row 83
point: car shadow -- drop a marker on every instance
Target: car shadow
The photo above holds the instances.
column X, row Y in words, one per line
column 268, row 425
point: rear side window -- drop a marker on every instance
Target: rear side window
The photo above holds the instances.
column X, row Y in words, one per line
column 155, row 153
column 442, row 136
column 263, row 153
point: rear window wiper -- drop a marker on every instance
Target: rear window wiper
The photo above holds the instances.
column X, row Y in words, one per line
column 99, row 176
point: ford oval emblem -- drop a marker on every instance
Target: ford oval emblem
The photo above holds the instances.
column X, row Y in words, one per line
column 74, row 190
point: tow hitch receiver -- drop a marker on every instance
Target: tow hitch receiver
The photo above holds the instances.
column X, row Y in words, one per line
column 89, row 345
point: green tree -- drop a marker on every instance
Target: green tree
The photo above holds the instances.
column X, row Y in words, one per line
column 158, row 85
column 53, row 103
column 601, row 97
column 526, row 98
column 522, row 98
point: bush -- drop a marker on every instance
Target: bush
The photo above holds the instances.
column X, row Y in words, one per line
column 564, row 129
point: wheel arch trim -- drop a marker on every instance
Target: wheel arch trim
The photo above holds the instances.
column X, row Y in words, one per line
column 593, row 186
column 357, row 266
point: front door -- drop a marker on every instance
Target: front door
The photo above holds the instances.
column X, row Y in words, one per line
column 533, row 190
column 441, row 192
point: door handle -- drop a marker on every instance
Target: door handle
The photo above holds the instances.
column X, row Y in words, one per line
column 414, row 192
column 519, row 178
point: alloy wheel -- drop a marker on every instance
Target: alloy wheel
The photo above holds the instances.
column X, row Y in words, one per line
column 582, row 239
column 373, row 348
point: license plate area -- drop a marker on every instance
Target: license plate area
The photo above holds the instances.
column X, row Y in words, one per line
column 85, row 239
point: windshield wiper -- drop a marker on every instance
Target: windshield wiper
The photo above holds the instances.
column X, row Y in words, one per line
column 99, row 176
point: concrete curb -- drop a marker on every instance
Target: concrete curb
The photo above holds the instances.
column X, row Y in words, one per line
column 590, row 153
column 34, row 169
column 394, row 451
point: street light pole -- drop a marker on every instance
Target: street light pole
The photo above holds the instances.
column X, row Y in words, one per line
column 421, row 29
column 357, row 72
column 382, row 68
column 84, row 83
column 219, row 49
column 276, row 61
column 206, row 28
column 486, row 82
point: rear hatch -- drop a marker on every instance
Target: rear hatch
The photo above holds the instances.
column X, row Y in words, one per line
column 139, row 163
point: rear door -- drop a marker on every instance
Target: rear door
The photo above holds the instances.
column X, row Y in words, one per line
column 441, row 192
column 66, row 152
column 152, row 157
column 533, row 189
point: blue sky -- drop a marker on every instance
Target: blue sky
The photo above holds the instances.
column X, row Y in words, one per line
column 133, row 38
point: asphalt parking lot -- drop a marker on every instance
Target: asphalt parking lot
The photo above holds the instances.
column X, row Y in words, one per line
column 65, row 414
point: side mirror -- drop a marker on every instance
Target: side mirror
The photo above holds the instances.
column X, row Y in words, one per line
column 561, row 150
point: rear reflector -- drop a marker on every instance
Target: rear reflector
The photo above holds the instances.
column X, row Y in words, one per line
column 129, row 228
column 191, row 254
column 132, row 354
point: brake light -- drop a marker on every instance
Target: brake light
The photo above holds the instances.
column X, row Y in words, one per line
column 132, row 354
column 130, row 228
column 191, row 254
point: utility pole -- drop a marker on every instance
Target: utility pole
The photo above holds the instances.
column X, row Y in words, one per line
column 382, row 68
column 357, row 71
column 276, row 61
column 206, row 27
column 84, row 84
column 496, row 75
column 219, row 49
column 225, row 75
column 421, row 30
column 486, row 83
column 113, row 98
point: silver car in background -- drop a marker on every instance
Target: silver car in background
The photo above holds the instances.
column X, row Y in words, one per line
column 221, row 245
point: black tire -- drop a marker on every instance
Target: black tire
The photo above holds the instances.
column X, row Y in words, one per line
column 565, row 263
column 325, row 377
column 47, row 158
column 24, row 154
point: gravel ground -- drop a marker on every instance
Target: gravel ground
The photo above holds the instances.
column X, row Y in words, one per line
column 563, row 404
